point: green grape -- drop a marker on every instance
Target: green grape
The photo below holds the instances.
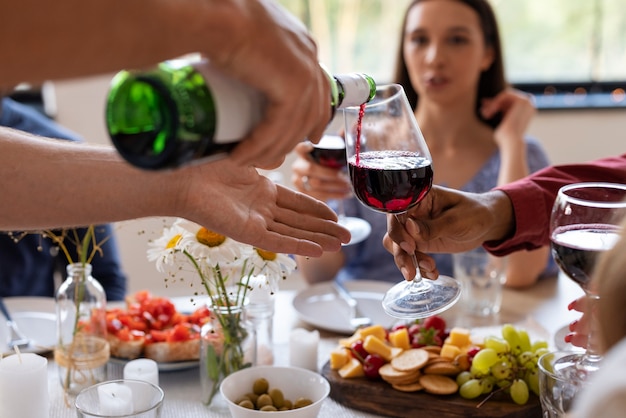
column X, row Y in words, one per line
column 524, row 340
column 471, row 389
column 526, row 357
column 519, row 392
column 487, row 383
column 511, row 335
column 476, row 373
column 532, row 380
column 540, row 352
column 538, row 344
column 504, row 383
column 463, row 377
column 497, row 344
column 484, row 359
column 502, row 370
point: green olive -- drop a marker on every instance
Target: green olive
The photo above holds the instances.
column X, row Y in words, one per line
column 260, row 386
column 246, row 403
column 277, row 397
column 301, row 403
column 263, row 400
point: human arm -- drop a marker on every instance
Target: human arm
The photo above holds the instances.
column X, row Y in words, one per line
column 509, row 218
column 256, row 41
column 223, row 196
column 517, row 110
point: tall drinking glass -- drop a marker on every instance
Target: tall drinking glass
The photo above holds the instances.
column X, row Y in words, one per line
column 391, row 171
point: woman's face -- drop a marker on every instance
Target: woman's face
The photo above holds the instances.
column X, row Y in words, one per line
column 444, row 50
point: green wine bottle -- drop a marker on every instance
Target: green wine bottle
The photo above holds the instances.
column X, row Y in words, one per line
column 184, row 110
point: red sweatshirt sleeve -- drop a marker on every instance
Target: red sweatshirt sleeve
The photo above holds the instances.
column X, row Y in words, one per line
column 533, row 196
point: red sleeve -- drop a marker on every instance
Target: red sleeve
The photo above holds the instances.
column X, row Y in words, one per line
column 532, row 198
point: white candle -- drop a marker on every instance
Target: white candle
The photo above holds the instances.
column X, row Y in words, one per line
column 24, row 386
column 115, row 399
column 143, row 369
column 303, row 348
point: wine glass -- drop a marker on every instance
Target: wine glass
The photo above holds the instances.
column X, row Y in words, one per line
column 584, row 223
column 390, row 170
column 330, row 152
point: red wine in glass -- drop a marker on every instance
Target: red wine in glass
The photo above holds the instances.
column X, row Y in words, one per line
column 391, row 181
column 330, row 152
column 576, row 247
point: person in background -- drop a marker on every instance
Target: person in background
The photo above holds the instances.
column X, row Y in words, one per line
column 29, row 263
column 255, row 41
column 451, row 67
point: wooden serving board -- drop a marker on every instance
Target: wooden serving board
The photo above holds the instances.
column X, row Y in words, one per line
column 378, row 397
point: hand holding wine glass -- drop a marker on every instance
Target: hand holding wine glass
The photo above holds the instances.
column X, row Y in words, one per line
column 391, row 171
column 584, row 223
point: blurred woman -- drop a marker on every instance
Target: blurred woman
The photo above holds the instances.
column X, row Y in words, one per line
column 451, row 66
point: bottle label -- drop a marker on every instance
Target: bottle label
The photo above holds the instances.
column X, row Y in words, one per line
column 238, row 106
column 356, row 89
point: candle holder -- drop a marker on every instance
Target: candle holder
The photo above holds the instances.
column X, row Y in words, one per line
column 120, row 398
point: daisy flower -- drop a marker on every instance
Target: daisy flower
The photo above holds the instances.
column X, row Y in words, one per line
column 207, row 246
column 274, row 266
column 163, row 250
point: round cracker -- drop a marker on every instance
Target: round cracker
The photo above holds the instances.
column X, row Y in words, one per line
column 442, row 368
column 438, row 384
column 411, row 387
column 410, row 360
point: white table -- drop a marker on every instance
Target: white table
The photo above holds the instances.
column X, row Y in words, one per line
column 542, row 309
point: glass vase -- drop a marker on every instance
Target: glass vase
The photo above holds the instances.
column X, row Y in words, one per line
column 227, row 344
column 82, row 350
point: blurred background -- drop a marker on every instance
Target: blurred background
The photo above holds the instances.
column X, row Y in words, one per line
column 570, row 54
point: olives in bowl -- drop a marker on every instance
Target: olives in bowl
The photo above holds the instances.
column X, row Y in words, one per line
column 286, row 392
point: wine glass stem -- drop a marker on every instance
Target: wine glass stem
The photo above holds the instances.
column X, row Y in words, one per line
column 590, row 362
column 341, row 210
column 401, row 217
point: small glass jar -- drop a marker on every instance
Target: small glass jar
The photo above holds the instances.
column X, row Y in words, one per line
column 82, row 350
column 260, row 312
column 227, row 344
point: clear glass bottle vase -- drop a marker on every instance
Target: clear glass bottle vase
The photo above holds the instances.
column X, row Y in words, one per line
column 227, row 344
column 82, row 350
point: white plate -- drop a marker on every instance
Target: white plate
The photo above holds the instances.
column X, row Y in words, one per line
column 173, row 366
column 36, row 318
column 321, row 306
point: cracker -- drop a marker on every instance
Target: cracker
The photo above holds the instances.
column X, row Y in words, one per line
column 438, row 384
column 442, row 368
column 411, row 387
column 393, row 376
column 410, row 360
column 435, row 349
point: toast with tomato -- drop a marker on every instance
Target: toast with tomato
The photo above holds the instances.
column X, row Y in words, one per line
column 151, row 327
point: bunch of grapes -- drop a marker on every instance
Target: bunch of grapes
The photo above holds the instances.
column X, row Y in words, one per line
column 506, row 364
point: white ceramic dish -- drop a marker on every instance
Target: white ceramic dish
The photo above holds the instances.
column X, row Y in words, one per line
column 294, row 382
column 36, row 318
column 321, row 306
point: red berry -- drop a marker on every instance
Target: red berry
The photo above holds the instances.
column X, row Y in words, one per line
column 372, row 365
column 357, row 347
column 435, row 322
column 472, row 352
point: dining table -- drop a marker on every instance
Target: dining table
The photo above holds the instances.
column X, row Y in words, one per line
column 541, row 309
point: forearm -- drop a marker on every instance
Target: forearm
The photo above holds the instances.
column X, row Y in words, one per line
column 513, row 161
column 48, row 184
column 525, row 267
column 56, row 37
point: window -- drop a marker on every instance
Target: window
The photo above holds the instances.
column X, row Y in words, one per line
column 569, row 53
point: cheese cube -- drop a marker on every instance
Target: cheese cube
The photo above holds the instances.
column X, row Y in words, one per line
column 400, row 338
column 339, row 357
column 375, row 330
column 450, row 351
column 375, row 345
column 353, row 368
column 459, row 337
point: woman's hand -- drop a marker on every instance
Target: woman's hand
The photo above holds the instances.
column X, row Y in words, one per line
column 517, row 111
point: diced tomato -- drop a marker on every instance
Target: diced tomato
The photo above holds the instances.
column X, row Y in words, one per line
column 180, row 332
column 200, row 316
column 158, row 336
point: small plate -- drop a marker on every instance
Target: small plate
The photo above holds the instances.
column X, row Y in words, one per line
column 36, row 318
column 321, row 306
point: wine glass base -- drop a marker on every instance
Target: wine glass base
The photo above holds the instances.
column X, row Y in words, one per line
column 431, row 297
column 359, row 228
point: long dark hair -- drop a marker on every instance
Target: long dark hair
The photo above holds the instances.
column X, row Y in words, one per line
column 492, row 81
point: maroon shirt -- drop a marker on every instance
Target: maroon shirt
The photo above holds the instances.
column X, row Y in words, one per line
column 533, row 196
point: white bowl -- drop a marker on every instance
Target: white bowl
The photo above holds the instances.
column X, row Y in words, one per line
column 294, row 382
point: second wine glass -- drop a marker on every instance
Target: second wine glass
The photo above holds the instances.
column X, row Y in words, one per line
column 391, row 171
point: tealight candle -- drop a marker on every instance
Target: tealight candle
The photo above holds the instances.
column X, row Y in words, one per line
column 303, row 348
column 115, row 399
column 22, row 374
column 143, row 369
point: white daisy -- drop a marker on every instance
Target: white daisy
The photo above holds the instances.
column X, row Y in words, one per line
column 163, row 250
column 207, row 246
column 274, row 266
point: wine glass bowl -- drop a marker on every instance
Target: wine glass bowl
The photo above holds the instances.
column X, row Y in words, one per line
column 330, row 152
column 391, row 171
column 584, row 223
